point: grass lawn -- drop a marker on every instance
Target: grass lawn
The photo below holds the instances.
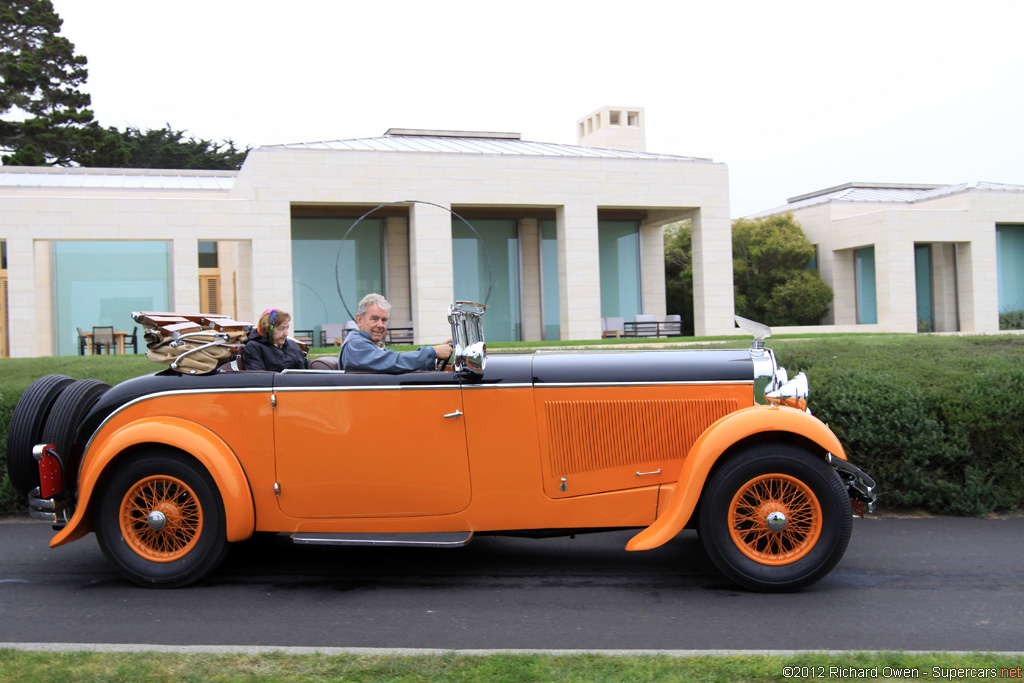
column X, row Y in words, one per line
column 17, row 666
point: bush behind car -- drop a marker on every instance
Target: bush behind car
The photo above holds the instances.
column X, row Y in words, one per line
column 934, row 419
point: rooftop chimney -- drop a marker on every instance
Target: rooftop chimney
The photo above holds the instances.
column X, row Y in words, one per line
column 613, row 128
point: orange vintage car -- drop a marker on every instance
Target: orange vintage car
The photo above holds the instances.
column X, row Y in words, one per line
column 169, row 469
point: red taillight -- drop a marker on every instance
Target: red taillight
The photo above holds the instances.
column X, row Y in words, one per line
column 51, row 470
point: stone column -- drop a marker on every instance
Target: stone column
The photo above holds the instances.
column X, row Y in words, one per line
column 271, row 275
column 652, row 269
column 843, row 281
column 979, row 285
column 185, row 274
column 579, row 271
column 895, row 286
column 28, row 330
column 398, row 294
column 529, row 250
column 430, row 266
column 713, row 303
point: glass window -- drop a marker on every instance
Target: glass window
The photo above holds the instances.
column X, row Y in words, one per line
column 923, row 283
column 619, row 251
column 319, row 270
column 864, row 271
column 550, row 301
column 1010, row 267
column 207, row 254
column 3, row 255
column 101, row 283
column 500, row 241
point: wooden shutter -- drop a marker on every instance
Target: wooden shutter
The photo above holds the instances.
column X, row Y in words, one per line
column 5, row 320
column 209, row 294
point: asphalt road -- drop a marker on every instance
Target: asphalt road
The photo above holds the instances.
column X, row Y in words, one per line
column 908, row 584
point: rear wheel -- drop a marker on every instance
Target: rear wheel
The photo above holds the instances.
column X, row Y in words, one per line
column 26, row 427
column 160, row 520
column 775, row 518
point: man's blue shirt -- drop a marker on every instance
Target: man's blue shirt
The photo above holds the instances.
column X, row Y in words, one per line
column 359, row 354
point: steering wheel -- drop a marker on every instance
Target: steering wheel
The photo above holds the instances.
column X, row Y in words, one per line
column 441, row 365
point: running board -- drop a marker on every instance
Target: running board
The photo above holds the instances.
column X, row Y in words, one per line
column 450, row 539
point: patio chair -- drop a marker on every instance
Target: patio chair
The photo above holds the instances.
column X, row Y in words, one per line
column 103, row 337
column 613, row 327
column 331, row 334
column 132, row 341
column 645, row 325
column 350, row 326
column 401, row 335
column 673, row 326
column 83, row 339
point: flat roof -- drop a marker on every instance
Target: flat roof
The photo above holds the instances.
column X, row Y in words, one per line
column 115, row 178
column 464, row 142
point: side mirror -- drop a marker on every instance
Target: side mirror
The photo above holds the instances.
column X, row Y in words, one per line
column 466, row 318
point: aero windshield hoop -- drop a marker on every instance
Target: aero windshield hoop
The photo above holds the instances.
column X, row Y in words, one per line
column 337, row 261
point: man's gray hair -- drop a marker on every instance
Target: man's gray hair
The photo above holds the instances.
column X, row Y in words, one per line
column 373, row 299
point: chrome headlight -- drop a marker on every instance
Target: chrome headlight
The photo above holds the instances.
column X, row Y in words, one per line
column 789, row 392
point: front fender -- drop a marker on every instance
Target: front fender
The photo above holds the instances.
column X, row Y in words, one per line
column 715, row 441
column 190, row 437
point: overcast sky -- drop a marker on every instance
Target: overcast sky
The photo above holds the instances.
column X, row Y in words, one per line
column 792, row 96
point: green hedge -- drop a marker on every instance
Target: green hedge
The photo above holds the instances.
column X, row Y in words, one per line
column 935, row 419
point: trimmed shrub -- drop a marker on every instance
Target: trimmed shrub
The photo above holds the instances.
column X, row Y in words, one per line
column 935, row 420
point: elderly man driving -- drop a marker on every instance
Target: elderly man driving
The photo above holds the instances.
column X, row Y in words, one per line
column 364, row 349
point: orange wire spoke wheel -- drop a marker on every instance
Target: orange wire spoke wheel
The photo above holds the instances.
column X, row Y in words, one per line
column 161, row 518
column 775, row 519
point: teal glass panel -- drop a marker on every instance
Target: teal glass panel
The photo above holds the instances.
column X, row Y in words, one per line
column 619, row 252
column 549, row 280
column 317, row 248
column 207, row 254
column 101, row 283
column 867, row 301
column 923, row 280
column 1010, row 267
column 498, row 239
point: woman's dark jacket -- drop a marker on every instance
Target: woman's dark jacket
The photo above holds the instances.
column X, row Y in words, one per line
column 260, row 354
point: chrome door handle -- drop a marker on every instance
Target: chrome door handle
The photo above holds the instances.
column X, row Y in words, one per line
column 457, row 413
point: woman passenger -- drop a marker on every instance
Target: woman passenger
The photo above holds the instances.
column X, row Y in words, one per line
column 268, row 346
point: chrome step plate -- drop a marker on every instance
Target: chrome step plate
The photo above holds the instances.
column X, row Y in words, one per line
column 450, row 539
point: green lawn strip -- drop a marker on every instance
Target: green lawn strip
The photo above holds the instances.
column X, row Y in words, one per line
column 18, row 666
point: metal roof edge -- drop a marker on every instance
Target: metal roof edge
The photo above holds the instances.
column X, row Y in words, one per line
column 864, row 185
column 94, row 170
column 431, row 133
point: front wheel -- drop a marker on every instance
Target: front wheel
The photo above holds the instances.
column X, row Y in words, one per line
column 775, row 518
column 160, row 520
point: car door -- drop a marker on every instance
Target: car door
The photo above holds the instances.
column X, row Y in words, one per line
column 370, row 445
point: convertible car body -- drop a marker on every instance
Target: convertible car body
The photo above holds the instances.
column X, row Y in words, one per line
column 170, row 468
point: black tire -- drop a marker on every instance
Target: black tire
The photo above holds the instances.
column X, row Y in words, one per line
column 767, row 478
column 26, row 428
column 193, row 542
column 68, row 411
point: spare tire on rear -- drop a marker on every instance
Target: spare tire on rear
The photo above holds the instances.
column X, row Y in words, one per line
column 26, row 427
column 66, row 417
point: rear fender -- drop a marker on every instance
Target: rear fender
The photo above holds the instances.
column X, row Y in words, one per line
column 717, row 440
column 190, row 437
